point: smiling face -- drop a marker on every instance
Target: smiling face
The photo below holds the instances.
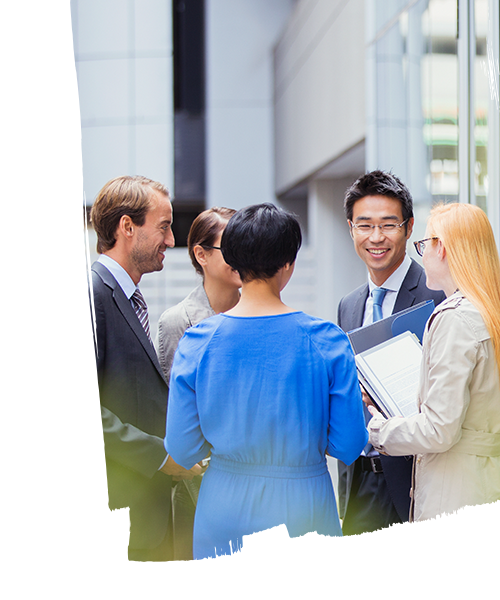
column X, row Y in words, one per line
column 382, row 253
column 154, row 237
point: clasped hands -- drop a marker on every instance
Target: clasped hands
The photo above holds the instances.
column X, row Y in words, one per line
column 178, row 473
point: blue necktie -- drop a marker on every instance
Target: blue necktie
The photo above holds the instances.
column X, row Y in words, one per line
column 378, row 295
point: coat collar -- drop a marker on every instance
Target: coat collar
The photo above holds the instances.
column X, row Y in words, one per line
column 197, row 305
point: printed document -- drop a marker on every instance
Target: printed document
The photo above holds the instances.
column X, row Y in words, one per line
column 390, row 373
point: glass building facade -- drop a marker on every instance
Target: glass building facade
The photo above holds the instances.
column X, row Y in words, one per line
column 432, row 100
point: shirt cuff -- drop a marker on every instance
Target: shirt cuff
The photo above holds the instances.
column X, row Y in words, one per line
column 373, row 427
column 161, row 466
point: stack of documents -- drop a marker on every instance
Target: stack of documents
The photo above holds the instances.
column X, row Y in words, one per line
column 388, row 355
column 389, row 373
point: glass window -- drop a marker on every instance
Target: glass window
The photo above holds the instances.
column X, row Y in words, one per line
column 482, row 101
column 440, row 98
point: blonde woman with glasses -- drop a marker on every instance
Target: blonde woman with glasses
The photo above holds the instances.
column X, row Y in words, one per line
column 455, row 437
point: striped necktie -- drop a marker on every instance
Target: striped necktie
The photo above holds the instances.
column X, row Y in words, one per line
column 141, row 310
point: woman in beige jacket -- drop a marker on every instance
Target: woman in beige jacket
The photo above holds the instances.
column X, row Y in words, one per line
column 455, row 437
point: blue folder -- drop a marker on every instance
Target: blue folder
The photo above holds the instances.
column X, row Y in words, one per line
column 411, row 319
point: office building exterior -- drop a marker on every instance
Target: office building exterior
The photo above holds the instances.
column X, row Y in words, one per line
column 235, row 102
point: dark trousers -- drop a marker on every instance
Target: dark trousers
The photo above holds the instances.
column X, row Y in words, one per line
column 162, row 553
column 184, row 497
column 370, row 506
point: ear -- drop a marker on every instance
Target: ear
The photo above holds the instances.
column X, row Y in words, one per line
column 409, row 227
column 350, row 229
column 201, row 255
column 126, row 227
column 441, row 250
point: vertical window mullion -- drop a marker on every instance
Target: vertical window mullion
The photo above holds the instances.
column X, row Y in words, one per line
column 493, row 62
column 466, row 143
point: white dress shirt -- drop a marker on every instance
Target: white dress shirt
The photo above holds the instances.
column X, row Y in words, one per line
column 392, row 284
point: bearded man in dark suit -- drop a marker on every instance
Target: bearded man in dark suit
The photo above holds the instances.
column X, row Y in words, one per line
column 374, row 491
column 132, row 217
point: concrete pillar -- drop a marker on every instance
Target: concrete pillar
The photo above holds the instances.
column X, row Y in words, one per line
column 338, row 268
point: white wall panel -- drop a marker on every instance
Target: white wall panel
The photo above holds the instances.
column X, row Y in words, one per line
column 105, row 152
column 319, row 88
column 240, row 36
column 101, row 26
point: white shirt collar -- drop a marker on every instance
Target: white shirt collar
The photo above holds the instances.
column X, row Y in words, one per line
column 393, row 285
column 122, row 277
column 394, row 281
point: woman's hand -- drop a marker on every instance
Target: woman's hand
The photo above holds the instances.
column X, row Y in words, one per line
column 373, row 411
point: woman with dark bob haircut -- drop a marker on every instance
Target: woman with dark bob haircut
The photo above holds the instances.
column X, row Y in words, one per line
column 268, row 391
column 261, row 239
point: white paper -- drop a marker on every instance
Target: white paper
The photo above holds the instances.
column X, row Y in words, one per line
column 392, row 372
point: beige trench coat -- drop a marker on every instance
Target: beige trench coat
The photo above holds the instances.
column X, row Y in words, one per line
column 456, row 435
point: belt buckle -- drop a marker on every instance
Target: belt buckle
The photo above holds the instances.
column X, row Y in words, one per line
column 376, row 464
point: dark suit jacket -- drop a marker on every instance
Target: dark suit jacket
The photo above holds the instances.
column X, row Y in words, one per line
column 397, row 469
column 134, row 395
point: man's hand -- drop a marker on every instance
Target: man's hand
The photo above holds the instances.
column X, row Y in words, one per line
column 366, row 398
column 177, row 472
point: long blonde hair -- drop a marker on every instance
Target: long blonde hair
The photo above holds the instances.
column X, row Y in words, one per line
column 473, row 259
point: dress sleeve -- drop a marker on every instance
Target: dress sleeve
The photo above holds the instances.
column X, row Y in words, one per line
column 347, row 434
column 449, row 357
column 184, row 440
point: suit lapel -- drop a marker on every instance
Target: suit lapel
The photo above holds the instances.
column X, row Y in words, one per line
column 406, row 297
column 358, row 309
column 124, row 306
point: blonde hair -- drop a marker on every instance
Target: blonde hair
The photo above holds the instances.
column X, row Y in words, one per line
column 473, row 259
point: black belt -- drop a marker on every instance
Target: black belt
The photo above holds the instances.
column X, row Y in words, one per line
column 371, row 463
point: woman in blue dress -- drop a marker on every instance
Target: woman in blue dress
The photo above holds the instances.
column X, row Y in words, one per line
column 267, row 391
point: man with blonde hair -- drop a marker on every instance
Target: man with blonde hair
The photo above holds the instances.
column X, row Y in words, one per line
column 132, row 217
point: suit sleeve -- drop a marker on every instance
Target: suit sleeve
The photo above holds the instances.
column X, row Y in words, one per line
column 91, row 423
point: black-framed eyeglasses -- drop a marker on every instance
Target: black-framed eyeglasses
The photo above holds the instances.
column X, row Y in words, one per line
column 212, row 247
column 420, row 245
column 367, row 228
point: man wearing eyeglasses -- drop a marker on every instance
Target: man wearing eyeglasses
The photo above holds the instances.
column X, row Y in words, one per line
column 374, row 491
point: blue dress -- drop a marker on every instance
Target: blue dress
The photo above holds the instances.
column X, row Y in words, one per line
column 268, row 396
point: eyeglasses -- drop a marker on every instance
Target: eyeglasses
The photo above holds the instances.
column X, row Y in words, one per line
column 211, row 247
column 385, row 228
column 420, row 245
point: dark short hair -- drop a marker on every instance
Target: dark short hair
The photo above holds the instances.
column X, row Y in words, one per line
column 379, row 183
column 205, row 229
column 259, row 240
column 125, row 195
